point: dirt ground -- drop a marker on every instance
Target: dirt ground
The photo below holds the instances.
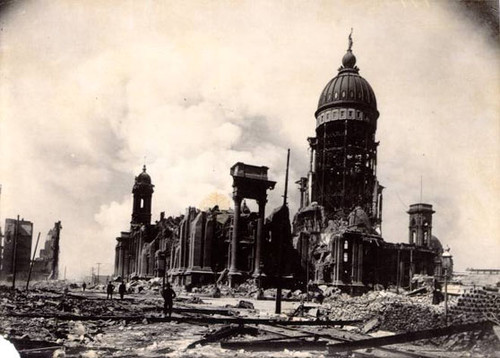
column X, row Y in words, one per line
column 48, row 315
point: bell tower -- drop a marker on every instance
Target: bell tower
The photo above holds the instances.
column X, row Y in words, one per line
column 420, row 224
column 143, row 192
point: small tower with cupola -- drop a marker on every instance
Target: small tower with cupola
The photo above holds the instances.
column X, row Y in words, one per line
column 420, row 229
column 143, row 193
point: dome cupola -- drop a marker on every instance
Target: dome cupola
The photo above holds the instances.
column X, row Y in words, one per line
column 144, row 177
column 348, row 88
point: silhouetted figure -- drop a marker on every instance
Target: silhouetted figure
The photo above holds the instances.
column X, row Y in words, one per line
column 109, row 290
column 437, row 295
column 121, row 290
column 84, row 286
column 168, row 295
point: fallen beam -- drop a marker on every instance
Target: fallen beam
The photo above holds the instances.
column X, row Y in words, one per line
column 201, row 319
column 221, row 311
column 224, row 332
column 407, row 337
column 340, row 336
column 265, row 345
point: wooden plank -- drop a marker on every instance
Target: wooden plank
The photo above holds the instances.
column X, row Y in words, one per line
column 345, row 336
column 407, row 337
column 224, row 332
column 265, row 345
column 201, row 319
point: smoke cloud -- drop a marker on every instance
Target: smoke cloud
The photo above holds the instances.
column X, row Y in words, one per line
column 92, row 90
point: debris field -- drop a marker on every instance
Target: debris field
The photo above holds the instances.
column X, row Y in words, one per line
column 49, row 321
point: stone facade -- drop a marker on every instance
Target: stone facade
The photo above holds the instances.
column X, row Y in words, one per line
column 17, row 239
column 202, row 246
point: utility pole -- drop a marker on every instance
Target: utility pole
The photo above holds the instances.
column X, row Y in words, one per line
column 32, row 262
column 280, row 239
column 98, row 268
column 14, row 254
column 55, row 261
column 446, row 296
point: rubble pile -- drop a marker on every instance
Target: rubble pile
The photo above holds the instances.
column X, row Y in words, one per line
column 395, row 313
column 41, row 303
column 476, row 305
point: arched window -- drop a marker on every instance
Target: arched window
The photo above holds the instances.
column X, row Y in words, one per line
column 142, row 203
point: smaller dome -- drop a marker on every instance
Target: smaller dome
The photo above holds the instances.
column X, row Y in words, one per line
column 435, row 244
column 349, row 60
column 144, row 177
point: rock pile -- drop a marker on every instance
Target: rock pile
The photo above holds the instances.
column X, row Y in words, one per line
column 396, row 313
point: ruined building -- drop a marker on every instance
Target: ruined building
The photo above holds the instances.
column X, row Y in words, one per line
column 16, row 248
column 337, row 232
column 338, row 228
column 46, row 265
column 203, row 245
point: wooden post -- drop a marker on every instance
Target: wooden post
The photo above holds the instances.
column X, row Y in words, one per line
column 164, row 271
column 397, row 271
column 446, row 295
column 32, row 262
column 14, row 254
column 307, row 269
column 280, row 241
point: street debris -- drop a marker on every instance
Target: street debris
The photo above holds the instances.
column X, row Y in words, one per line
column 48, row 322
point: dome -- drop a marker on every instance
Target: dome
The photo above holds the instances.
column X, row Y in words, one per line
column 435, row 244
column 144, row 177
column 348, row 88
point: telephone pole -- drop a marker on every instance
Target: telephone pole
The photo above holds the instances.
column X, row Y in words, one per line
column 98, row 268
column 14, row 254
column 280, row 239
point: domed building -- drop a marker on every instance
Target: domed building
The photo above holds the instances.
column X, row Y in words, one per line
column 344, row 152
column 338, row 228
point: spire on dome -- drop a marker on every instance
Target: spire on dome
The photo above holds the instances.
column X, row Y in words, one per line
column 349, row 60
column 350, row 42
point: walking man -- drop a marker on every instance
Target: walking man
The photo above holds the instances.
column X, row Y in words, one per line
column 109, row 290
column 121, row 290
column 168, row 295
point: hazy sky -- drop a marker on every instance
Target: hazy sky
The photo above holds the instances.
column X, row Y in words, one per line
column 90, row 88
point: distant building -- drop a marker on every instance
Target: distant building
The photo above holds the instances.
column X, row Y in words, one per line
column 46, row 266
column 16, row 250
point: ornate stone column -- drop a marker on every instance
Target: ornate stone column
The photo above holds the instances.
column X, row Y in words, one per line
column 233, row 270
column 258, row 240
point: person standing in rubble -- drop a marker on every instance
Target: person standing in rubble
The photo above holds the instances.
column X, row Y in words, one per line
column 168, row 296
column 121, row 290
column 109, row 290
column 84, row 286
